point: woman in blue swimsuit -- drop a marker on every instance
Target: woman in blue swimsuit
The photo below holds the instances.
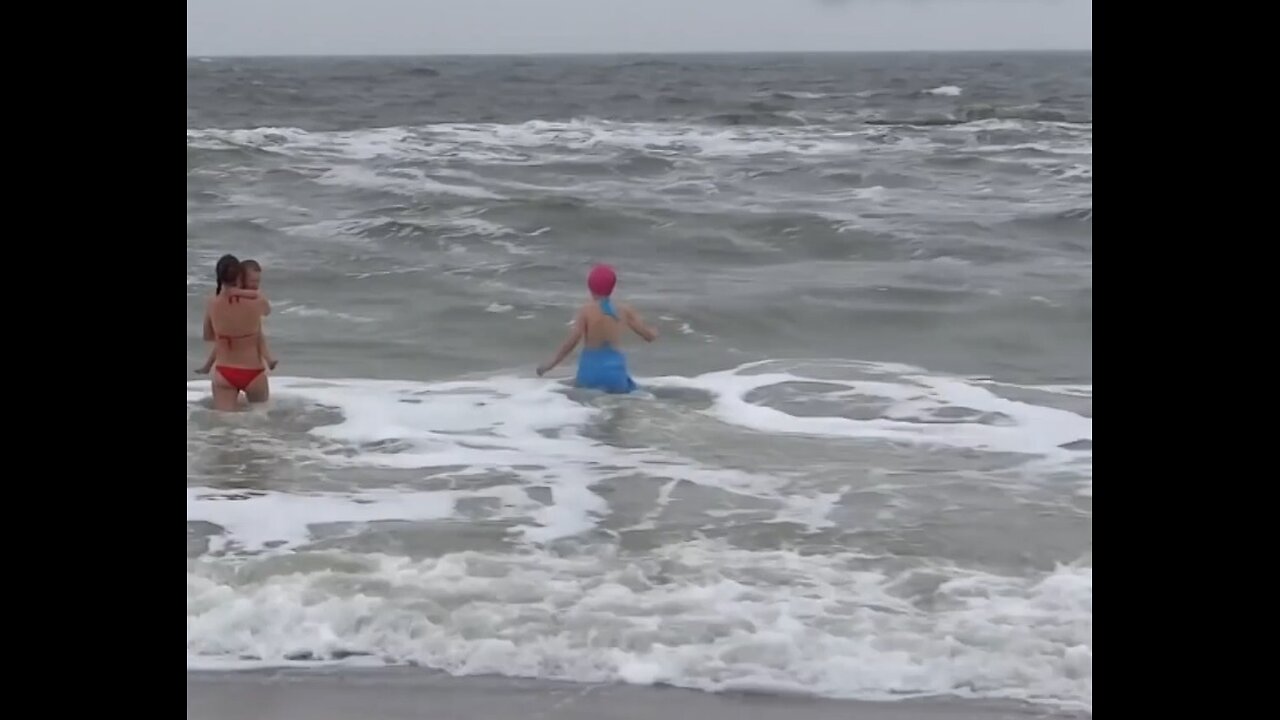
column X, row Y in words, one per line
column 598, row 326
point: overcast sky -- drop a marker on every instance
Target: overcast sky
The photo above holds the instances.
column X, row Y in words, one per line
column 424, row 27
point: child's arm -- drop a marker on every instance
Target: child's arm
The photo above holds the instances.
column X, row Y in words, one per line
column 575, row 336
column 638, row 325
column 252, row 295
column 265, row 352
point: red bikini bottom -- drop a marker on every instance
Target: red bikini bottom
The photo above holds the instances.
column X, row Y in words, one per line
column 240, row 378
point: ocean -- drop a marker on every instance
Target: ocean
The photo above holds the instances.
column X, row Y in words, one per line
column 860, row 464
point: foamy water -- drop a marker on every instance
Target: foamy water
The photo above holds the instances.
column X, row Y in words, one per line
column 271, row 586
column 694, row 614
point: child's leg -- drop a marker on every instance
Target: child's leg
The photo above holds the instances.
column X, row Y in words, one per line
column 264, row 351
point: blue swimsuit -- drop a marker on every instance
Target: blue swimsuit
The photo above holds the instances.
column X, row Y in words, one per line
column 604, row 368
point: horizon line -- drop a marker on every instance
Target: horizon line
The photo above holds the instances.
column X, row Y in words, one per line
column 624, row 53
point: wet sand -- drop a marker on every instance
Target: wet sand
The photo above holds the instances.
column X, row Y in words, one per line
column 418, row 695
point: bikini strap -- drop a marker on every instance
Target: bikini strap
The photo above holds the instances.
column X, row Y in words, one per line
column 229, row 338
column 606, row 307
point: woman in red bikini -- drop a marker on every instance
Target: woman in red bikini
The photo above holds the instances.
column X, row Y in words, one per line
column 233, row 322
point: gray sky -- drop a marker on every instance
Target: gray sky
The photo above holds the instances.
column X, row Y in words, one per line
column 423, row 27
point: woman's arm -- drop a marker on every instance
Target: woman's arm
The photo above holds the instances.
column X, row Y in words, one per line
column 638, row 325
column 208, row 362
column 575, row 336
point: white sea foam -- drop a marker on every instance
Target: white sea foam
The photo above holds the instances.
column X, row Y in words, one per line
column 912, row 416
column 655, row 138
column 448, row 159
column 524, row 427
column 947, row 90
column 583, row 139
column 405, row 181
column 1084, row 172
column 263, row 137
column 1056, row 148
column 1084, row 391
column 307, row 311
column 695, row 614
column 256, row 521
column 365, row 144
column 533, row 430
column 691, row 611
column 994, row 124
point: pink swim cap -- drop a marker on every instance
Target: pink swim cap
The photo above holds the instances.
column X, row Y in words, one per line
column 602, row 280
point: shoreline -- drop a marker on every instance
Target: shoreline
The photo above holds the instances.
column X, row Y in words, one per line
column 407, row 693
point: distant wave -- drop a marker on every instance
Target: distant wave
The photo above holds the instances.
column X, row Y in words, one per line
column 754, row 118
column 977, row 113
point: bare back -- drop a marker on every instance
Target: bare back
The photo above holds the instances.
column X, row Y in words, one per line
column 237, row 325
column 600, row 329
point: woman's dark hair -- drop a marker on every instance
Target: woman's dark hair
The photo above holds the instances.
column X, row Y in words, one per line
column 227, row 272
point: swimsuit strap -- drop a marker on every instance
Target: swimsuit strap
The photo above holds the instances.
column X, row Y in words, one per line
column 229, row 338
column 606, row 307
